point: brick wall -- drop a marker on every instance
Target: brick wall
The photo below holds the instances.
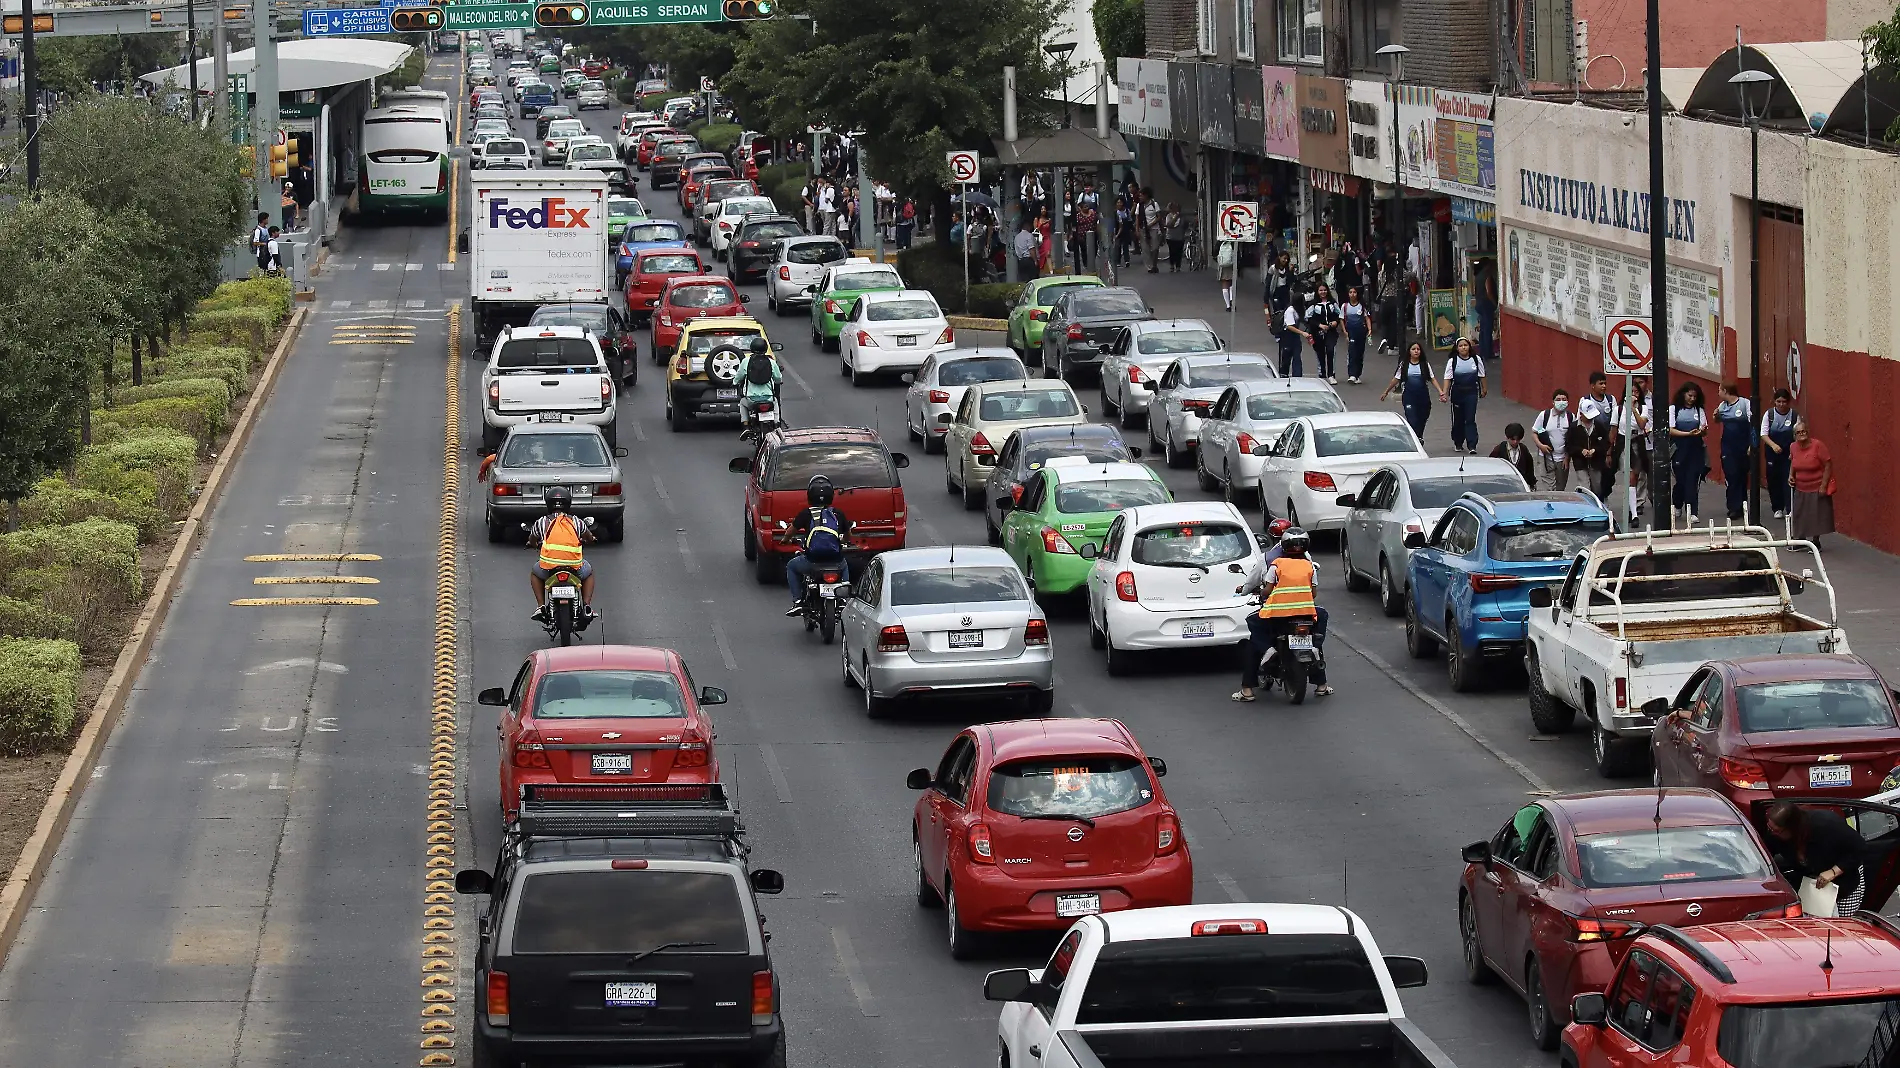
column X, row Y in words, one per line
column 1171, row 27
column 1453, row 43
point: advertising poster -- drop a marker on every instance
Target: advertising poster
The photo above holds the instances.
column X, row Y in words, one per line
column 1281, row 86
column 1418, row 136
column 1324, row 131
column 1441, row 310
column 1142, row 88
column 1462, row 147
column 1575, row 285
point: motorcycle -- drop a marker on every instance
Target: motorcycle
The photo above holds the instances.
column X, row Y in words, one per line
column 563, row 614
column 1290, row 660
column 761, row 418
column 824, row 595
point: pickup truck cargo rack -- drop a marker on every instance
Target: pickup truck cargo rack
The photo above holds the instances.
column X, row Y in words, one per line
column 657, row 810
column 1727, row 536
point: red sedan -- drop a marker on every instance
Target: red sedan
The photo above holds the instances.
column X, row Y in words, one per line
column 695, row 297
column 606, row 716
column 1027, row 824
column 652, row 269
column 1767, row 727
column 1551, row 901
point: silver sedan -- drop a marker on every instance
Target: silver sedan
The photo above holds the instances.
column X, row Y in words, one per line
column 1134, row 361
column 947, row 620
column 1249, row 415
column 936, row 388
column 551, row 453
column 1187, row 392
column 1405, row 498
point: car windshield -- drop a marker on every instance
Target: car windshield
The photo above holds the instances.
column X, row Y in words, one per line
column 622, row 912
column 588, row 317
column 1440, row 492
column 1520, row 542
column 1815, row 1034
column 979, row 369
column 1230, row 977
column 553, row 450
column 1292, row 404
column 1193, row 545
column 957, row 585
column 566, row 128
column 625, row 206
column 1817, row 704
column 609, row 695
column 815, row 252
column 1708, row 575
column 683, row 263
column 1047, row 296
column 655, row 231
column 1657, row 856
column 1168, row 341
column 703, row 295
column 1218, row 374
column 540, row 352
column 890, row 311
column 772, row 231
column 859, row 281
column 1056, row 403
column 1362, row 440
column 1109, row 495
column 720, row 190
column 1087, row 786
column 1104, row 303
column 849, row 465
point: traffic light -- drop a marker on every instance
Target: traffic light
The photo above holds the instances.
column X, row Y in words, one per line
column 749, row 10
column 410, row 19
column 560, row 14
column 280, row 161
column 13, row 25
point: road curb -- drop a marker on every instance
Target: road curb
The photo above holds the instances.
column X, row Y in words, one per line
column 974, row 322
column 16, row 897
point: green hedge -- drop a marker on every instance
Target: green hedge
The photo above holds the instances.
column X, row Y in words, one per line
column 55, row 502
column 249, row 327
column 212, row 389
column 936, row 268
column 656, row 101
column 718, row 137
column 84, row 571
column 993, row 301
column 25, row 619
column 259, row 291
column 195, row 417
column 233, row 365
column 154, row 469
column 39, row 685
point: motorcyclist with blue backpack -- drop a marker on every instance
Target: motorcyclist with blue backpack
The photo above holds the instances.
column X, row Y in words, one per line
column 759, row 379
column 822, row 531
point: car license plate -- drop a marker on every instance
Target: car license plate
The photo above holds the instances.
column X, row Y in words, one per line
column 612, row 763
column 632, row 995
column 562, row 592
column 580, row 491
column 1078, row 904
column 1197, row 628
column 1300, row 641
column 1831, row 775
column 906, row 340
column 726, row 394
column 966, row 639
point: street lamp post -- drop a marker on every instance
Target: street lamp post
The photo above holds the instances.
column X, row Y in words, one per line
column 1752, row 86
column 1397, row 54
column 1064, row 225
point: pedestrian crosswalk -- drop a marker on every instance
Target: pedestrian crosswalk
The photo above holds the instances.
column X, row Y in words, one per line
column 390, row 266
column 386, row 306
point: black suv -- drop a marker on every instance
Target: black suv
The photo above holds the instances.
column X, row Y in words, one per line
column 602, row 948
column 755, row 245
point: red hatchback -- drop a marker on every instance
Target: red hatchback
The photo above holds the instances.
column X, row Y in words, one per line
column 684, row 299
column 652, row 269
column 1027, row 824
column 609, row 716
column 1550, row 902
column 1768, row 727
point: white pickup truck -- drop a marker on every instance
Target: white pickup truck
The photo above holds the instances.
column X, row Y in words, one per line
column 541, row 372
column 1199, row 986
column 1638, row 613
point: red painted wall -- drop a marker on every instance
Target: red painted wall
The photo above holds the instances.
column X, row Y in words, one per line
column 1694, row 31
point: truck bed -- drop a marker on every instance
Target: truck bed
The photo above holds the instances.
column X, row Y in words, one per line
column 1386, row 1044
column 1663, row 630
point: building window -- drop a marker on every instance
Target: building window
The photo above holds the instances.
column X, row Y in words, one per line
column 1205, row 16
column 1549, row 41
column 1375, row 24
column 1243, row 29
column 1302, row 31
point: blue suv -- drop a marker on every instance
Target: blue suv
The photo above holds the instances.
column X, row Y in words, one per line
column 1471, row 577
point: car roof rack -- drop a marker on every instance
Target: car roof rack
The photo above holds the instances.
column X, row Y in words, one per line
column 632, row 810
column 1703, row 955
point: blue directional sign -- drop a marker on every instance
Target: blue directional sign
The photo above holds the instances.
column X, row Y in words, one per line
column 345, row 21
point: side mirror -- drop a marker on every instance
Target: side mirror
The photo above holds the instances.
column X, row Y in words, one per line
column 1134, row 452
column 1406, row 971
column 474, row 881
column 1005, row 504
column 745, row 298
column 1159, row 765
column 1540, row 597
column 1009, row 984
column 812, row 289
column 1590, row 1010
column 767, row 881
column 1655, row 711
column 907, row 378
column 461, row 243
column 712, row 695
column 1263, row 450
column 620, row 450
column 918, row 780
column 1089, row 551
column 1414, row 540
column 1478, row 853
column 900, row 460
column 1347, row 500
column 494, row 695
column 739, row 465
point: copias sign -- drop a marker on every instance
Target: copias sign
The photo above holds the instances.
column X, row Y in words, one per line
column 410, row 19
column 560, row 15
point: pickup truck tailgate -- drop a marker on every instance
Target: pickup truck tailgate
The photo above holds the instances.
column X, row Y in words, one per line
column 1390, row 1043
column 1659, row 668
column 551, row 390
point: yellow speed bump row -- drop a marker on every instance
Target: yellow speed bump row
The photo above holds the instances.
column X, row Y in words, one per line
column 315, row 580
column 310, row 558
column 267, row 602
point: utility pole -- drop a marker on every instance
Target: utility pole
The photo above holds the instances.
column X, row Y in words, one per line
column 1658, row 222
column 221, row 79
column 264, row 113
column 191, row 52
column 30, row 83
column 1396, row 223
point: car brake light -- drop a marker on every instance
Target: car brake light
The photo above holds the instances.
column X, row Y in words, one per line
column 1744, row 774
column 748, row 244
column 497, row 991
column 1137, row 376
column 503, row 489
column 1622, row 692
column 938, row 396
column 980, row 446
column 1790, row 911
column 1202, row 406
column 785, row 274
column 494, row 395
column 1038, row 314
column 683, row 366
column 630, row 865
column 893, row 640
column 1075, row 331
column 764, row 1002
column 1167, row 834
column 1489, row 583
column 1415, row 525
column 1125, row 586
column 692, row 749
column 1016, row 493
column 609, row 489
column 1583, row 929
column 606, row 389
column 948, row 336
column 831, row 308
column 725, row 226
column 529, row 752
column 866, row 340
column 1054, row 542
column 1228, row 927
column 980, row 844
column 1244, row 442
column 1320, row 481
column 1036, row 633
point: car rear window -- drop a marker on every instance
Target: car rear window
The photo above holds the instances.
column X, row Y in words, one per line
column 1226, row 371
column 1171, row 341
column 554, row 450
column 548, row 352
column 703, row 295
column 1521, row 542
column 1056, row 403
column 620, row 912
column 1112, row 495
column 592, row 153
column 1669, row 855
column 587, row 317
column 507, row 147
column 772, row 231
column 1106, row 302
column 979, row 369
column 684, row 263
column 957, row 585
column 566, row 128
column 1440, row 492
column 1192, row 545
column 1087, row 786
column 1230, row 977
column 1362, row 440
column 815, row 252
column 1817, row 704
column 1099, row 449
column 1048, row 295
column 1823, row 1034
column 849, row 465
column 609, row 695
column 625, row 206
column 891, row 311
column 704, row 341
column 1292, row 404
column 655, row 231
column 861, row 280
column 1712, row 574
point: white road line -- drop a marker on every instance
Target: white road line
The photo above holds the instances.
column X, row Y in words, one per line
column 1231, row 887
column 340, row 305
column 797, row 379
column 412, row 266
column 665, row 499
column 415, row 305
column 686, row 553
column 853, row 972
column 445, row 266
column 725, row 647
column 379, row 267
column 779, row 784
column 378, row 305
column 341, row 266
column 639, row 432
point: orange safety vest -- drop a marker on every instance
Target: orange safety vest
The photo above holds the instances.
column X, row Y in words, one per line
column 561, row 546
column 1292, row 596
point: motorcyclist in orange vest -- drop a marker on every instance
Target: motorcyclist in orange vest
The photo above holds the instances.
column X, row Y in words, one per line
column 560, row 535
column 1286, row 588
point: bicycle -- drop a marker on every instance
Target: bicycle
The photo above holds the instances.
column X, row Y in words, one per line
column 1192, row 258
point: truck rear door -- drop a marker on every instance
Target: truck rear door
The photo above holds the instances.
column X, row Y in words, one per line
column 541, row 245
column 547, row 373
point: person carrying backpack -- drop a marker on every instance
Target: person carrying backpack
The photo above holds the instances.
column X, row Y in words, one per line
column 759, row 378
column 823, row 531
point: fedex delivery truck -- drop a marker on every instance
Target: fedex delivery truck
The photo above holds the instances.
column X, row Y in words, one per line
column 534, row 238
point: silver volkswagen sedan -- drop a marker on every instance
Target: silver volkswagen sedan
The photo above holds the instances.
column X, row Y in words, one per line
column 1135, row 359
column 551, row 452
column 1403, row 498
column 948, row 621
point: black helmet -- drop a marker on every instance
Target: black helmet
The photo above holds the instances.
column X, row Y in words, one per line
column 759, row 346
column 559, row 500
column 1294, row 541
column 818, row 492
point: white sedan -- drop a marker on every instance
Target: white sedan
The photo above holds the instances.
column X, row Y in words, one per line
column 1248, row 415
column 1187, row 392
column 937, row 387
column 1318, row 458
column 1165, row 578
column 892, row 330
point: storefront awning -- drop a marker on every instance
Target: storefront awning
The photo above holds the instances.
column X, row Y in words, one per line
column 320, row 63
column 1069, row 147
column 1815, row 85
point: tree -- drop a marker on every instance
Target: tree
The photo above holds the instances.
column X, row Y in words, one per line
column 1885, row 38
column 1121, row 27
column 71, row 65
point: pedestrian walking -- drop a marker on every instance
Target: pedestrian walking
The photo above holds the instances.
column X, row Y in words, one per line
column 288, row 201
column 827, row 206
column 906, row 222
column 1175, row 225
column 1513, row 450
column 1416, row 383
column 1777, row 436
column 1224, row 262
column 1024, row 247
column 1322, row 325
column 1738, row 456
column 260, row 241
column 1151, row 230
column 1591, row 450
column 1597, row 413
column 1277, row 288
column 1689, row 454
column 806, row 195
column 1637, row 425
column 1465, row 384
column 273, row 253
column 1552, row 428
column 1358, row 324
column 1391, row 285
column 1124, row 229
column 1811, row 474
column 1083, row 239
column 1292, row 338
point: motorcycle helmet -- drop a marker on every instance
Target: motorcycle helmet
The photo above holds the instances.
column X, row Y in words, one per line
column 559, row 500
column 1294, row 541
column 818, row 492
column 1278, row 528
column 759, row 347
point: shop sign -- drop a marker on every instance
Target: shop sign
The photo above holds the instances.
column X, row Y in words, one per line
column 1601, row 204
column 1418, row 145
column 1463, row 148
column 1369, row 127
column 1216, row 82
column 1184, row 92
column 1324, row 133
column 1441, row 307
column 1577, row 285
column 1142, row 90
column 1475, row 212
column 1250, row 112
column 1281, row 87
column 1344, row 185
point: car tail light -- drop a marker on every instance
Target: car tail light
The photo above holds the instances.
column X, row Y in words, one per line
column 938, row 396
column 1054, row 542
column 608, row 489
column 1036, row 633
column 1038, row 314
column 725, row 226
column 1415, row 525
column 831, row 308
column 1244, row 442
column 1016, row 493
column 948, row 336
column 980, row 446
column 893, row 640
column 1622, row 692
column 630, row 865
column 529, row 752
column 494, row 395
column 1744, row 774
column 866, row 340
column 683, row 366
column 1201, row 406
column 1584, row 929
column 1228, row 927
column 748, row 244
column 1320, row 481
column 1125, row 586
column 606, row 390
column 1489, row 583
column 1167, row 834
column 764, row 1001
column 692, row 749
column 503, row 489
column 1790, row 911
column 497, row 990
column 1075, row 331
column 980, row 850
column 784, row 274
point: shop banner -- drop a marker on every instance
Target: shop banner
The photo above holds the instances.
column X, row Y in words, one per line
column 1250, row 112
column 1476, row 212
column 1417, row 137
column 1576, row 285
column 1142, row 88
column 1462, row 145
column 1281, row 87
column 1217, row 104
column 1324, row 136
column 1369, row 126
column 1184, row 93
column 1441, row 309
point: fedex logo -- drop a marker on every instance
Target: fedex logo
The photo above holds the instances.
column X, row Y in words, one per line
column 553, row 214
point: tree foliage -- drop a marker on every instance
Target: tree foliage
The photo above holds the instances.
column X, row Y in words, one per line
column 71, row 65
column 1884, row 36
column 1121, row 27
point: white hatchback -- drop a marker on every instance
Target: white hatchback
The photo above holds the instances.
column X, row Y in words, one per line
column 1166, row 577
column 731, row 211
column 1319, row 458
column 892, row 330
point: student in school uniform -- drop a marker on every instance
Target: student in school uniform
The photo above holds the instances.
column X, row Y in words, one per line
column 1777, row 437
column 1688, row 428
column 1551, row 428
column 1737, row 418
column 1416, row 382
column 1597, row 414
column 1512, row 448
column 1464, row 385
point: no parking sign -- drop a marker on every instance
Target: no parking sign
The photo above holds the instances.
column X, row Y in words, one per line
column 963, row 167
column 1628, row 344
column 1238, row 220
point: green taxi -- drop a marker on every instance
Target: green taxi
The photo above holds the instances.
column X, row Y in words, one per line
column 1070, row 502
column 835, row 295
column 1031, row 310
column 621, row 211
column 550, row 64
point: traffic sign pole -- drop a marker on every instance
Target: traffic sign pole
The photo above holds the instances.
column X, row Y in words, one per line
column 1236, row 222
column 1629, row 344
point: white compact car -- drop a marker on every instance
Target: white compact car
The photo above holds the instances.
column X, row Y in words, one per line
column 1187, row 392
column 1246, row 416
column 938, row 386
column 1319, row 458
column 1165, row 578
column 800, row 265
column 892, row 330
